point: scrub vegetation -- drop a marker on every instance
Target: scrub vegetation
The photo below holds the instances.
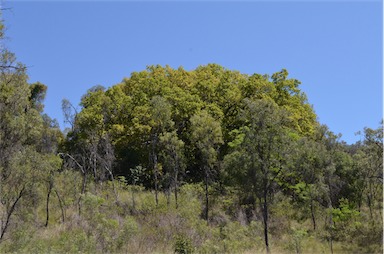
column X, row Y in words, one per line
column 174, row 161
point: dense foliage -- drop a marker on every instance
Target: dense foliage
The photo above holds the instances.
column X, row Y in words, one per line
column 209, row 160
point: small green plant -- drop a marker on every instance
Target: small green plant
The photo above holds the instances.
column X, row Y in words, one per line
column 128, row 231
column 298, row 236
column 183, row 245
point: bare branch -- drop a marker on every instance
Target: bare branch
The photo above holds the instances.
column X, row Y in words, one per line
column 77, row 163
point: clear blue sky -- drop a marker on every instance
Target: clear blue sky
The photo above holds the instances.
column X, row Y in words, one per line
column 333, row 47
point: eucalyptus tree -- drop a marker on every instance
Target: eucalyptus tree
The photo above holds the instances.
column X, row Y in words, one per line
column 332, row 180
column 206, row 135
column 172, row 153
column 287, row 95
column 26, row 154
column 90, row 142
column 17, row 130
column 259, row 154
column 369, row 165
column 160, row 121
column 305, row 176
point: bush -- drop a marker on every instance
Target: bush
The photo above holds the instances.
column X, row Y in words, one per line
column 183, row 245
column 296, row 238
column 129, row 229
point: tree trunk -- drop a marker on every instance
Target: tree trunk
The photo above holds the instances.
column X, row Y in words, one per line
column 113, row 185
column 84, row 183
column 265, row 220
column 330, row 224
column 168, row 195
column 331, row 233
column 176, row 186
column 82, row 191
column 369, row 199
column 155, row 169
column 206, row 196
column 156, row 180
column 313, row 215
column 94, row 166
column 61, row 207
column 47, row 207
column 5, row 225
column 133, row 197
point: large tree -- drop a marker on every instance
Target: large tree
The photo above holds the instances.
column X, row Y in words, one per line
column 259, row 154
column 207, row 136
column 28, row 141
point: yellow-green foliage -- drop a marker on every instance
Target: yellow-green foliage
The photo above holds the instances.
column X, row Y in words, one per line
column 250, row 168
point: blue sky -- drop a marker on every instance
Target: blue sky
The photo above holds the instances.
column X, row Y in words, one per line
column 333, row 47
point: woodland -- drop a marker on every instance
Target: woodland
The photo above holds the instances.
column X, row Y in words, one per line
column 209, row 160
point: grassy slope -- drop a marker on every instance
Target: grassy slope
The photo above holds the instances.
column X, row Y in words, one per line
column 142, row 227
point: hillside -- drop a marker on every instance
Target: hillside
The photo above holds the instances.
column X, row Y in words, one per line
column 174, row 161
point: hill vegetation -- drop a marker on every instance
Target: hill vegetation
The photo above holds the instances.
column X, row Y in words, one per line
column 207, row 161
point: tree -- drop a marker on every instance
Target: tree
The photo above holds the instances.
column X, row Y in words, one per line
column 160, row 120
column 369, row 165
column 21, row 162
column 288, row 96
column 38, row 92
column 259, row 154
column 136, row 173
column 207, row 137
column 172, row 153
column 305, row 175
column 69, row 112
column 331, row 180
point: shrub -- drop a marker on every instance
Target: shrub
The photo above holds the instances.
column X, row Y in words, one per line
column 183, row 245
